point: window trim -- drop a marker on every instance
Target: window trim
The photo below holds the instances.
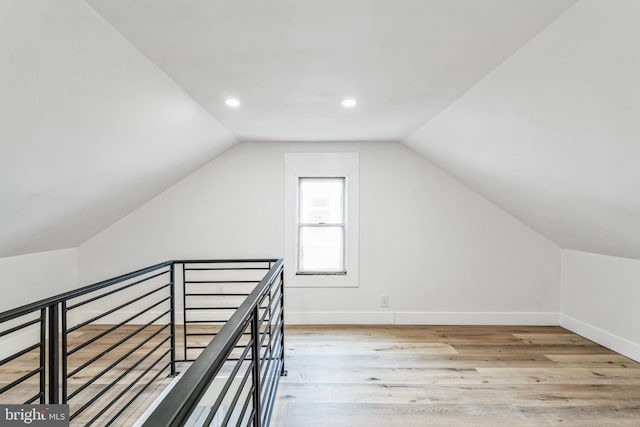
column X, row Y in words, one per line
column 321, row 165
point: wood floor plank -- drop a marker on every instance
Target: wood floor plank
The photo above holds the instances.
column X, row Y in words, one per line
column 513, row 376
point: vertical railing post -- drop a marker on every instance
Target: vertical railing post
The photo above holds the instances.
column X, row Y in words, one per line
column 54, row 358
column 64, row 352
column 43, row 355
column 184, row 309
column 172, row 314
column 283, row 371
column 255, row 356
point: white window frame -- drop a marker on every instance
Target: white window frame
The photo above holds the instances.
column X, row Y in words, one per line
column 321, row 165
column 342, row 226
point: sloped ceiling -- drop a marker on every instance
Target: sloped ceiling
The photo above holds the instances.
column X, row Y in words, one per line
column 291, row 62
column 553, row 134
column 541, row 121
column 89, row 128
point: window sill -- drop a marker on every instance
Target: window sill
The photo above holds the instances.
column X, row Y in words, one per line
column 321, row 273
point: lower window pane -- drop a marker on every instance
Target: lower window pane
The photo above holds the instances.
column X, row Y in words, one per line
column 321, row 249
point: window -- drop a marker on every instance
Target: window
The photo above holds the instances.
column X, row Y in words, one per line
column 321, row 219
column 321, row 226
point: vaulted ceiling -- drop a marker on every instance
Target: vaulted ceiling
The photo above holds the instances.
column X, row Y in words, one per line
column 533, row 103
column 290, row 62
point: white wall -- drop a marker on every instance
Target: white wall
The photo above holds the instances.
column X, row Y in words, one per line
column 441, row 252
column 29, row 278
column 601, row 299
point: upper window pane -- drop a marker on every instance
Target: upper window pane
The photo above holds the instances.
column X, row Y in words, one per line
column 321, row 200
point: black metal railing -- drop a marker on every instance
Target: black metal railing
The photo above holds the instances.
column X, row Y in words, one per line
column 234, row 381
column 128, row 319
column 101, row 347
column 212, row 291
column 23, row 357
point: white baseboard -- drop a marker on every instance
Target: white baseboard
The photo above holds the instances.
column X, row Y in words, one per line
column 420, row 318
column 477, row 318
column 339, row 318
column 604, row 338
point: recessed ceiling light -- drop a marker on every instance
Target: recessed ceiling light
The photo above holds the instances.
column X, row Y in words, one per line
column 349, row 103
column 232, row 102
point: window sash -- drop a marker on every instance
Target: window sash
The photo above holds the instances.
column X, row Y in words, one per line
column 339, row 225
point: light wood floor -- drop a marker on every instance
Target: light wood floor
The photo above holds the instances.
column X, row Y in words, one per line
column 29, row 361
column 439, row 376
column 453, row 376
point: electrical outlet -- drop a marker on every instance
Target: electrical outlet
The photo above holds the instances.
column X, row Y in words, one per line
column 384, row 301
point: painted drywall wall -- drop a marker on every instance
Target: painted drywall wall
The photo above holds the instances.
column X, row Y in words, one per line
column 90, row 128
column 600, row 299
column 438, row 250
column 29, row 278
column 551, row 135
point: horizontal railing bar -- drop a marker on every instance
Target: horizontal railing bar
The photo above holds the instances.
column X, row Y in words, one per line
column 265, row 360
column 277, row 313
column 36, row 397
column 21, row 379
column 272, row 392
column 103, row 353
column 269, row 393
column 224, row 268
column 140, row 391
column 245, row 406
column 214, row 295
column 113, row 328
column 129, row 387
column 264, row 336
column 223, row 261
column 189, row 282
column 29, row 308
column 121, row 376
column 227, row 384
column 22, row 326
column 200, row 347
column 210, row 308
column 277, row 331
column 202, row 334
column 263, row 317
column 113, row 310
column 236, row 396
column 106, row 294
column 20, row 353
column 187, row 392
column 207, row 321
column 278, row 291
column 277, row 310
column 271, row 368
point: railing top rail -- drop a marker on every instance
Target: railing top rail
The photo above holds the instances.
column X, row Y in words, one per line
column 185, row 395
column 37, row 305
column 28, row 308
column 224, row 261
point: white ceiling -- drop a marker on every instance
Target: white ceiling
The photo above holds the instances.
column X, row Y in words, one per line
column 533, row 103
column 291, row 61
